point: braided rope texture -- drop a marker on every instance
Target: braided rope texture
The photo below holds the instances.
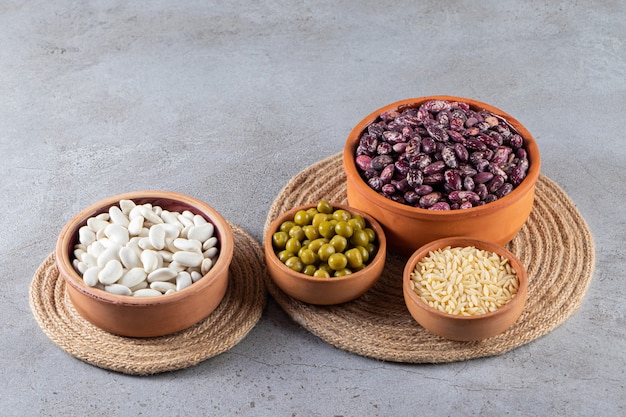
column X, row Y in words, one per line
column 555, row 245
column 240, row 310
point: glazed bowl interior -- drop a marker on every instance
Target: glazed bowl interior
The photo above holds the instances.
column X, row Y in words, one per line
column 457, row 327
column 146, row 316
column 410, row 227
column 324, row 291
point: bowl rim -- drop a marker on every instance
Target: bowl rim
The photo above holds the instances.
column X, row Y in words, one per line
column 69, row 235
column 463, row 241
column 270, row 254
column 527, row 184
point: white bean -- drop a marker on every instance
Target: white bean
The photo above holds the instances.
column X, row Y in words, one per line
column 117, row 216
column 111, row 272
column 133, row 277
column 209, row 243
column 195, row 275
column 149, row 215
column 147, row 292
column 150, row 260
column 188, row 258
column 161, row 274
column 185, row 221
column 81, row 266
column 201, row 232
column 91, row 275
column 144, row 243
column 117, row 289
column 89, row 258
column 198, row 220
column 109, row 254
column 183, row 280
column 207, row 264
column 86, row 236
column 96, row 224
column 211, row 252
column 171, row 218
column 162, row 286
column 117, row 233
column 129, row 257
column 126, row 206
column 166, row 255
column 188, row 244
column 140, row 286
column 135, row 225
column 175, row 266
column 157, row 236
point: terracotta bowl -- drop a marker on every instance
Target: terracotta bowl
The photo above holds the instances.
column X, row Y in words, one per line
column 324, row 291
column 465, row 328
column 408, row 227
column 147, row 316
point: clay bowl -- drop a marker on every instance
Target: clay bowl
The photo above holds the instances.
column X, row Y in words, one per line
column 324, row 291
column 147, row 316
column 408, row 227
column 465, row 328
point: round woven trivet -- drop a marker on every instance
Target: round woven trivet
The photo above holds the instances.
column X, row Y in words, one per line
column 555, row 245
column 235, row 316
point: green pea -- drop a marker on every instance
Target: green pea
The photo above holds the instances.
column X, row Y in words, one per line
column 301, row 218
column 371, row 234
column 309, row 270
column 325, row 251
column 312, row 212
column 319, row 218
column 365, row 253
column 337, row 261
column 341, row 215
column 355, row 259
column 316, row 244
column 326, row 229
column 357, row 222
column 342, row 273
column 295, row 263
column 320, row 273
column 339, row 242
column 307, row 256
column 311, row 232
column 344, row 229
column 279, row 240
column 324, row 206
column 293, row 245
column 285, row 226
column 359, row 238
column 283, row 255
column 371, row 250
column 297, row 232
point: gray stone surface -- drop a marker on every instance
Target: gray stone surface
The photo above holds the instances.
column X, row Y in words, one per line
column 226, row 101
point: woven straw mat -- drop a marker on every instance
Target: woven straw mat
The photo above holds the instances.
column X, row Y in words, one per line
column 555, row 246
column 240, row 310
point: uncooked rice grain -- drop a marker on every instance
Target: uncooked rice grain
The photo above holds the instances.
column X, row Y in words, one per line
column 464, row 281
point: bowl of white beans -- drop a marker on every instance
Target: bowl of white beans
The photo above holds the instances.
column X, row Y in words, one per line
column 145, row 263
column 465, row 289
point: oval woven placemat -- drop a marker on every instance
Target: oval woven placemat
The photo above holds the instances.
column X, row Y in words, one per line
column 555, row 245
column 239, row 311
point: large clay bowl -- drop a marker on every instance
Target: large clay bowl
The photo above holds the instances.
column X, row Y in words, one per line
column 407, row 227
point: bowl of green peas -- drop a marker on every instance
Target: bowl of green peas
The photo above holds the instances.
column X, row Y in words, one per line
column 325, row 253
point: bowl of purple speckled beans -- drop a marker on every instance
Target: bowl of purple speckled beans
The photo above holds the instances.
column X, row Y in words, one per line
column 439, row 166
